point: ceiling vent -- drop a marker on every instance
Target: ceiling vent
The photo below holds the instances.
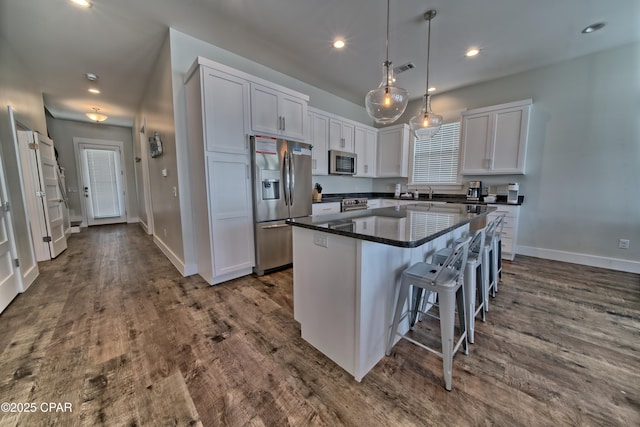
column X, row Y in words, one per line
column 404, row 67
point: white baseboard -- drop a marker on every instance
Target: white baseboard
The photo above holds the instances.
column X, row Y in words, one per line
column 591, row 260
column 175, row 260
column 133, row 220
column 29, row 277
column 144, row 227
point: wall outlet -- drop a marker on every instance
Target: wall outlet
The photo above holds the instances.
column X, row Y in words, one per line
column 623, row 243
column 320, row 240
column 165, row 232
column 175, row 192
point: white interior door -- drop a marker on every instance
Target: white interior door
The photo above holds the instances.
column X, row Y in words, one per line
column 102, row 180
column 54, row 209
column 9, row 276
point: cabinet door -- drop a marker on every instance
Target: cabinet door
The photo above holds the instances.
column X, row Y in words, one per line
column 292, row 111
column 366, row 148
column 325, row 208
column 392, row 156
column 341, row 135
column 230, row 213
column 264, row 109
column 475, row 140
column 510, row 130
column 226, row 123
column 319, row 138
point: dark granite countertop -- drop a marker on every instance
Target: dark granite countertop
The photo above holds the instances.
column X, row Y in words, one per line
column 449, row 198
column 405, row 226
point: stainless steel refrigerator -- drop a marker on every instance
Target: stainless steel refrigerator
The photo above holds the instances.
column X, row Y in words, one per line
column 281, row 189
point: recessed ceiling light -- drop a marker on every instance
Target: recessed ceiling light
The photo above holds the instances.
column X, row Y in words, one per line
column 431, row 89
column 338, row 44
column 82, row 3
column 94, row 90
column 91, row 77
column 593, row 27
column 472, row 52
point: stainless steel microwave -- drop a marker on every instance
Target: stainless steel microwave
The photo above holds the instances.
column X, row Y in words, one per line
column 342, row 163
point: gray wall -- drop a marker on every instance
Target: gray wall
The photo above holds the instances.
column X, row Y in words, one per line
column 63, row 131
column 583, row 157
column 18, row 90
column 158, row 113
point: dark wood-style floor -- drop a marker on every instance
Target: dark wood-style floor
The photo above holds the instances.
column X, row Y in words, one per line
column 112, row 328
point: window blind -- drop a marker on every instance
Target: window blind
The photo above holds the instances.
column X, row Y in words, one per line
column 435, row 160
column 102, row 165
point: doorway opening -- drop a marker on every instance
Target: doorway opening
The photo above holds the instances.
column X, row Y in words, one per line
column 100, row 166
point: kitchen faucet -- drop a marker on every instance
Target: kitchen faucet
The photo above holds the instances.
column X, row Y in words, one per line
column 430, row 192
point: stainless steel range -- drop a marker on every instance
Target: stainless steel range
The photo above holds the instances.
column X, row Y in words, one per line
column 353, row 204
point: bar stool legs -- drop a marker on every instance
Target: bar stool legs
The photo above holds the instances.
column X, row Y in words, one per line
column 447, row 282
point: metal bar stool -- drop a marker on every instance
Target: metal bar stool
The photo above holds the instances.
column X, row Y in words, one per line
column 446, row 281
column 496, row 239
column 475, row 281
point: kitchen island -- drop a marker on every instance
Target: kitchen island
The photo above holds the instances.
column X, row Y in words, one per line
column 346, row 268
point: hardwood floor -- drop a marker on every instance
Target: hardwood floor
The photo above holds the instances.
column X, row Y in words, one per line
column 111, row 328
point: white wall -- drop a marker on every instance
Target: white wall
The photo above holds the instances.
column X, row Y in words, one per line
column 18, row 90
column 583, row 157
column 63, row 131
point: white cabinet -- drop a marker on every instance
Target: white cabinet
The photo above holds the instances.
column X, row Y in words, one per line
column 393, row 151
column 277, row 112
column 510, row 230
column 318, row 137
column 325, row 208
column 366, row 147
column 341, row 135
column 494, row 139
column 220, row 174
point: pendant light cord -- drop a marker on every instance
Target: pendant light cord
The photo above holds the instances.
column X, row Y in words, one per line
column 386, row 63
column 429, row 15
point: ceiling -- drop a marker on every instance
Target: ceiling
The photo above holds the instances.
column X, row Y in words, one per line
column 119, row 40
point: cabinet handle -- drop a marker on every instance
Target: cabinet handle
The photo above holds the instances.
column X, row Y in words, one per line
column 366, row 168
column 315, row 165
column 248, row 172
column 284, row 123
column 342, row 142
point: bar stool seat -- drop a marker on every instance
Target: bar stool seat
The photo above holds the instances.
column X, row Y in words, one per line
column 493, row 252
column 447, row 282
column 475, row 281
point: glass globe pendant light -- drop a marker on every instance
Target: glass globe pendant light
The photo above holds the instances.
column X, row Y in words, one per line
column 426, row 123
column 386, row 103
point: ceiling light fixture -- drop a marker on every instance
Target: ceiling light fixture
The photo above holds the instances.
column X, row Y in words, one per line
column 94, row 90
column 472, row 52
column 426, row 123
column 96, row 117
column 593, row 27
column 82, row 3
column 386, row 103
column 431, row 89
column 338, row 44
column 91, row 77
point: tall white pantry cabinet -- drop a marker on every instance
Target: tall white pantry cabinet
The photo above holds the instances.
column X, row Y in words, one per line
column 218, row 127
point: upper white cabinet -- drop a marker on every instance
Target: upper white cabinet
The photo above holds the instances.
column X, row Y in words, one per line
column 366, row 147
column 225, row 123
column 494, row 139
column 277, row 112
column 393, row 151
column 318, row 137
column 341, row 135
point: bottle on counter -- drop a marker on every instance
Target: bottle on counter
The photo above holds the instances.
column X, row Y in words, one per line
column 416, row 195
column 397, row 192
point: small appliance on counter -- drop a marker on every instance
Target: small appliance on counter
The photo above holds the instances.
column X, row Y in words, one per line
column 512, row 193
column 475, row 191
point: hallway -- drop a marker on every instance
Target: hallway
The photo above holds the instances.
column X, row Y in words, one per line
column 111, row 328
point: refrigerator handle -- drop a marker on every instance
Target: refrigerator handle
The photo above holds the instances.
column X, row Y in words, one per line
column 292, row 174
column 285, row 176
